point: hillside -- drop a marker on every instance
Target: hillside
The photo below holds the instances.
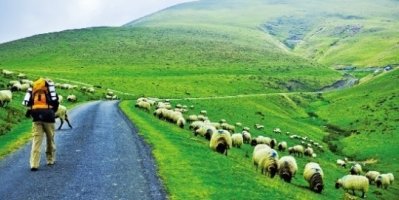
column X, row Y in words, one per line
column 254, row 62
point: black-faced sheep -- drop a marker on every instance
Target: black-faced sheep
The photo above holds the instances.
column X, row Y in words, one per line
column 308, row 152
column 221, row 141
column 382, row 181
column 266, row 158
column 314, row 175
column 341, row 163
column 353, row 182
column 282, row 146
column 62, row 114
column 246, row 136
column 372, row 175
column 71, row 98
column 287, row 168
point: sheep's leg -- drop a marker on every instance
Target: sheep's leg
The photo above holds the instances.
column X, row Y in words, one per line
column 62, row 122
column 363, row 194
column 67, row 120
column 353, row 191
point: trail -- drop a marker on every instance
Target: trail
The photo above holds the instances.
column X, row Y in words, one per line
column 102, row 157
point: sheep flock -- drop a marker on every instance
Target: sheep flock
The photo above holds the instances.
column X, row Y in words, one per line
column 223, row 136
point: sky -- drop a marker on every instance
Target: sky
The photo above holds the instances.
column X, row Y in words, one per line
column 24, row 18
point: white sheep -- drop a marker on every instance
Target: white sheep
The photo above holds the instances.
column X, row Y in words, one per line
column 203, row 112
column 341, row 163
column 60, row 99
column 192, row 118
column 239, row 124
column 228, row 127
column 206, row 130
column 372, row 175
column 259, row 126
column 356, row 169
column 5, row 97
column 246, row 129
column 144, row 105
column 353, row 182
column 221, row 141
column 382, row 181
column 71, row 98
column 266, row 158
column 261, row 140
column 282, row 146
column 309, row 151
column 181, row 122
column 62, row 114
column 247, row 137
column 314, row 175
column 287, row 168
column 391, row 177
column 296, row 150
column 237, row 140
column 277, row 130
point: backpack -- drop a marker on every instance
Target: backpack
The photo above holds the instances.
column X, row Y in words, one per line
column 43, row 95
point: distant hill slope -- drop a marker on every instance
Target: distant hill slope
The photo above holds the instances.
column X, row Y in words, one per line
column 332, row 32
column 240, row 47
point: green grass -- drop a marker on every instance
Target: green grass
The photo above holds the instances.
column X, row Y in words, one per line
column 179, row 154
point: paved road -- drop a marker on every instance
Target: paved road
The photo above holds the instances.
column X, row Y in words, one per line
column 100, row 158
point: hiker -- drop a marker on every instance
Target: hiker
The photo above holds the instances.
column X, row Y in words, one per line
column 42, row 103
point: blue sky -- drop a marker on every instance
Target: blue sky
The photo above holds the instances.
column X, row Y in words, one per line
column 23, row 18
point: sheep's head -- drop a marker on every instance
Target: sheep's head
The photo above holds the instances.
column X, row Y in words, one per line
column 273, row 170
column 378, row 182
column 272, row 143
column 286, row 175
column 208, row 134
column 221, row 146
column 254, row 142
column 338, row 184
column 317, row 182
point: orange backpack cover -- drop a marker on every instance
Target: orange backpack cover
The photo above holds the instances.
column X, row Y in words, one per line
column 40, row 95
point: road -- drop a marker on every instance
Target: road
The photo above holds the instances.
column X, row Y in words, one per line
column 102, row 157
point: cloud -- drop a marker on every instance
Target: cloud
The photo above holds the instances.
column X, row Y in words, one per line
column 21, row 18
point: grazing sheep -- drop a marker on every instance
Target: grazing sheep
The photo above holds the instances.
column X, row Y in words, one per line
column 287, row 168
column 296, row 150
column 194, row 125
column 277, row 130
column 202, row 118
column 259, row 126
column 314, row 175
column 222, row 121
column 71, row 98
column 246, row 129
column 341, row 163
column 21, row 75
column 221, row 141
column 206, row 130
column 239, row 124
column 5, row 97
column 260, row 140
column 246, row 136
column 391, row 177
column 203, row 112
column 308, row 151
column 192, row 118
column 353, row 182
column 181, row 122
column 356, row 169
column 372, row 175
column 60, row 98
column 237, row 140
column 273, row 143
column 26, row 81
column 267, row 159
column 228, row 127
column 7, row 73
column 144, row 105
column 62, row 114
column 382, row 181
column 282, row 146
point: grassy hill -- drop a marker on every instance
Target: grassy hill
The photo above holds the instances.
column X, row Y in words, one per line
column 277, row 52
